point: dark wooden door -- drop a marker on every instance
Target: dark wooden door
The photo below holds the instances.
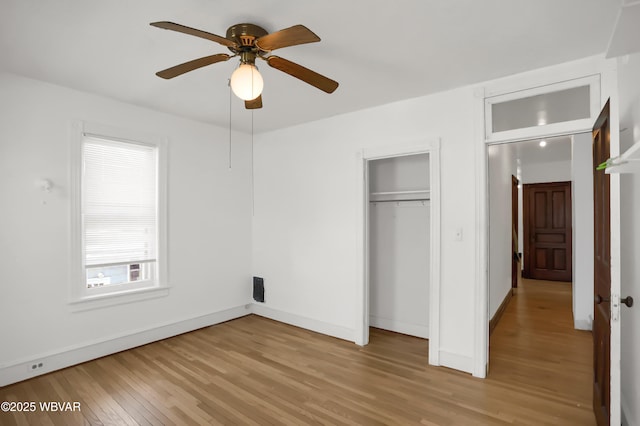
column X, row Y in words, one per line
column 515, row 264
column 602, row 272
column 547, row 231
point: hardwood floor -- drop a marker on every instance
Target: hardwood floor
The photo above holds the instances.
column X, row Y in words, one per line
column 256, row 371
column 535, row 351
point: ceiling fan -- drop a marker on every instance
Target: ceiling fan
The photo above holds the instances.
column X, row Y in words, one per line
column 249, row 41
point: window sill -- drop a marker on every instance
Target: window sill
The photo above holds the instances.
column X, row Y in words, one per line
column 120, row 298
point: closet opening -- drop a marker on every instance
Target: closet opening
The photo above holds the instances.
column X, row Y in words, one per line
column 399, row 241
column 404, row 179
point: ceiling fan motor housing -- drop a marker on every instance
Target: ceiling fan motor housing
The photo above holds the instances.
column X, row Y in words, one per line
column 245, row 35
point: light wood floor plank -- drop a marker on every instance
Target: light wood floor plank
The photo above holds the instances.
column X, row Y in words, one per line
column 254, row 371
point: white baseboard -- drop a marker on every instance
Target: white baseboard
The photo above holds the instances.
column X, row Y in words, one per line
column 627, row 419
column 582, row 324
column 304, row 322
column 416, row 330
column 456, row 361
column 20, row 369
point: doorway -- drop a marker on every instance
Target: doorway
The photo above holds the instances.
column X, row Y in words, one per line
column 431, row 148
column 531, row 108
column 605, row 77
column 534, row 163
column 399, row 205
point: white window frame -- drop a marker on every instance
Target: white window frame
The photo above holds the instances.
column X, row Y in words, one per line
column 80, row 297
column 547, row 130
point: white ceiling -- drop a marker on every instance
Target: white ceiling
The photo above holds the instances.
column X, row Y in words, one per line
column 379, row 51
column 530, row 152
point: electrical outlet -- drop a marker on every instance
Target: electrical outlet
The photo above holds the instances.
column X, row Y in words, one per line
column 35, row 366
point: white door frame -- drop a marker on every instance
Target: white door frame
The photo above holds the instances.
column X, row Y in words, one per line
column 431, row 147
column 607, row 89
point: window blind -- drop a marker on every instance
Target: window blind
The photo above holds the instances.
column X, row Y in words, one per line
column 119, row 202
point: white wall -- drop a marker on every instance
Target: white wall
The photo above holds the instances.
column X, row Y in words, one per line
column 305, row 232
column 399, row 267
column 582, row 243
column 552, row 171
column 629, row 95
column 399, row 247
column 502, row 165
column 405, row 173
column 209, row 228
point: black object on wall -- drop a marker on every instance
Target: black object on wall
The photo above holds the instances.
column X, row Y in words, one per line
column 258, row 289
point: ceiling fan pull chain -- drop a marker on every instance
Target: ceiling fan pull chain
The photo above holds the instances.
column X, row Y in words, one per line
column 253, row 198
column 229, row 84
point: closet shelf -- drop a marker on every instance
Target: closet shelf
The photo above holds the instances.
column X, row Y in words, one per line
column 628, row 162
column 421, row 191
column 418, row 195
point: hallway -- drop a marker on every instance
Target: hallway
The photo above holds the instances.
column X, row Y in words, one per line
column 535, row 349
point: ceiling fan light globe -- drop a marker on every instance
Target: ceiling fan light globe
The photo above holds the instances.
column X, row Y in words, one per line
column 246, row 82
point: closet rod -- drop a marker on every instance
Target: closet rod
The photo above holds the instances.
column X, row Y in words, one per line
column 398, row 201
column 420, row 191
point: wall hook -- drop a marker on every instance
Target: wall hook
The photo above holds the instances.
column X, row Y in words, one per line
column 45, row 185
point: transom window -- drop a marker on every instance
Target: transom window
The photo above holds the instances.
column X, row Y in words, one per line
column 549, row 110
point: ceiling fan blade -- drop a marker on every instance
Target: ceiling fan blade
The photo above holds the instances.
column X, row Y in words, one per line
column 254, row 103
column 305, row 74
column 298, row 34
column 192, row 31
column 192, row 65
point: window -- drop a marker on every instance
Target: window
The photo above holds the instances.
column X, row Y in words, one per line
column 539, row 110
column 118, row 216
column 560, row 108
